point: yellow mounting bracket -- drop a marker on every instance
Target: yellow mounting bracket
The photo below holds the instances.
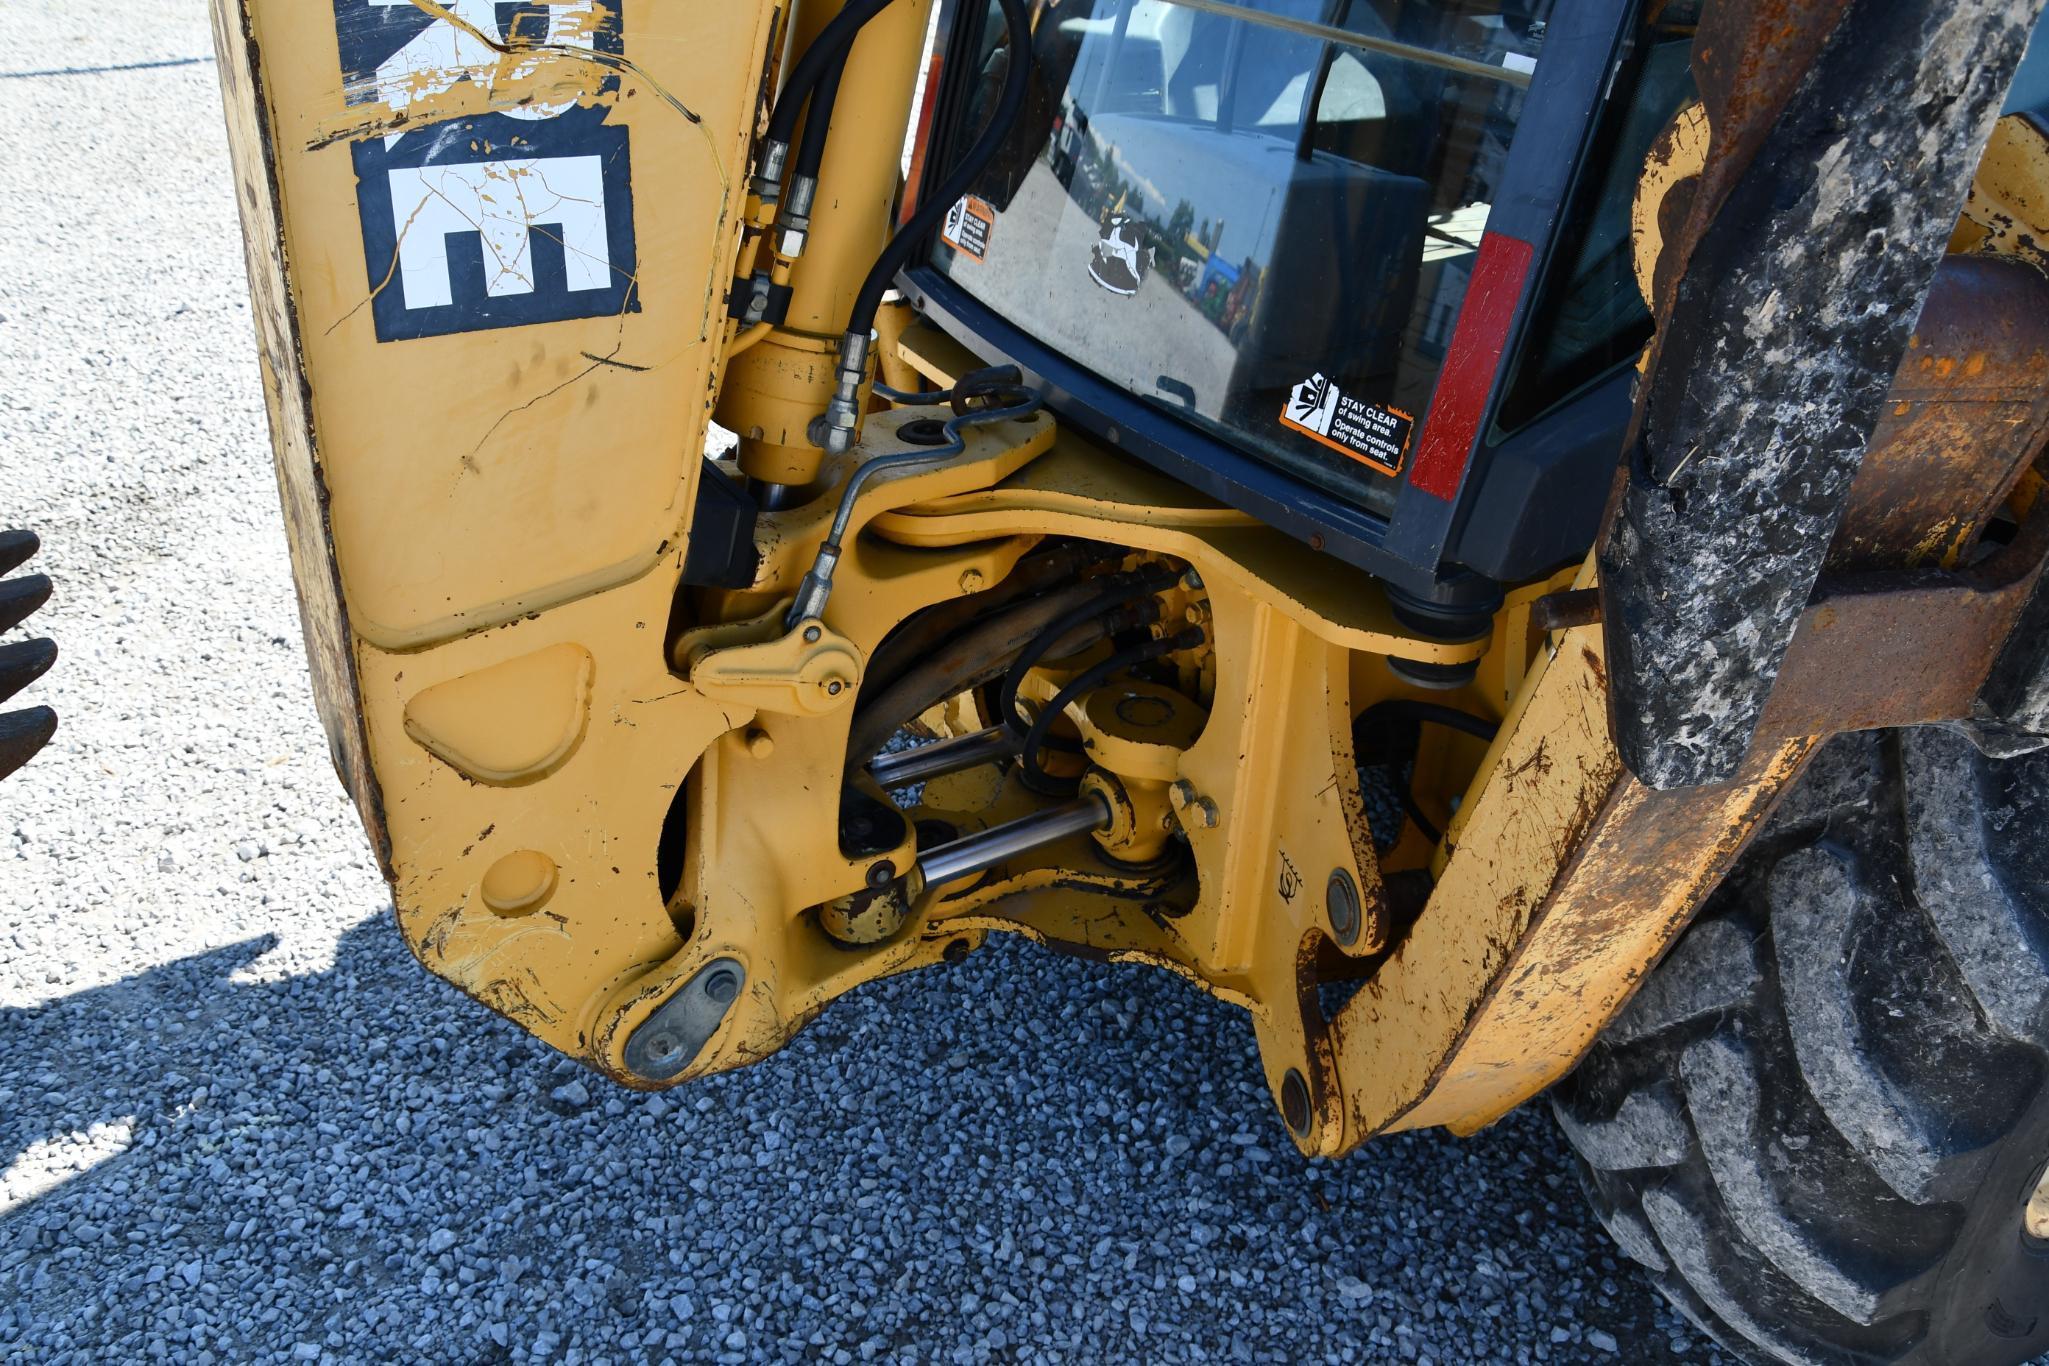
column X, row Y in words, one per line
column 806, row 671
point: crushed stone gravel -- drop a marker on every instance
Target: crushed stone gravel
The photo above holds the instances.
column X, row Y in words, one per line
column 237, row 1122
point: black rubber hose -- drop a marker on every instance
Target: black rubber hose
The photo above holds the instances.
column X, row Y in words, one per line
column 1052, row 565
column 1123, row 588
column 959, row 181
column 811, row 151
column 1436, row 713
column 1130, row 657
column 828, row 52
column 968, row 660
column 1408, row 709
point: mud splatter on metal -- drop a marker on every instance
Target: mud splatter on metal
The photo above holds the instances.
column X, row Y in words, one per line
column 1818, row 227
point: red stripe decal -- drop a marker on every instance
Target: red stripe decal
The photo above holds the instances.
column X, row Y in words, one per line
column 1476, row 346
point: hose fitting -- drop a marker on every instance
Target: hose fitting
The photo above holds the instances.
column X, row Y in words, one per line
column 767, row 185
column 815, row 589
column 794, row 221
column 834, row 430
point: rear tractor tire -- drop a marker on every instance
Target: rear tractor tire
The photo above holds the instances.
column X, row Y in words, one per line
column 1823, row 1123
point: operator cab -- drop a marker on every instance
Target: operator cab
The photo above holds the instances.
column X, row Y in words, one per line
column 1359, row 267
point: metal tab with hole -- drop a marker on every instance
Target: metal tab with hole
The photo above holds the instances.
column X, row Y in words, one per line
column 677, row 1032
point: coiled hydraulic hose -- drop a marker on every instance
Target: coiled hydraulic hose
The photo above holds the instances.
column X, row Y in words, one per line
column 1121, row 588
column 843, row 414
column 1084, row 683
column 1435, row 713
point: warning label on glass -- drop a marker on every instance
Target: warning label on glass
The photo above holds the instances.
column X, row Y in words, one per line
column 967, row 227
column 1370, row 433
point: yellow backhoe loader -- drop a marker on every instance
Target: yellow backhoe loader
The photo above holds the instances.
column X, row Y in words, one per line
column 1501, row 537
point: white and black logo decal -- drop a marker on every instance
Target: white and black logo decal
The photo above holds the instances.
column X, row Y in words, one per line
column 498, row 220
column 1121, row 256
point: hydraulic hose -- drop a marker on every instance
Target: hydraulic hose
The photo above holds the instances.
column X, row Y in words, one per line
column 1053, row 565
column 968, row 660
column 827, row 54
column 1124, row 588
column 1407, row 709
column 1086, row 682
column 1016, row 82
column 795, row 216
column 907, row 399
column 811, row 150
column 843, row 414
column 1435, row 713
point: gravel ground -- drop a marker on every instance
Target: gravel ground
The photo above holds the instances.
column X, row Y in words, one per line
column 236, row 1121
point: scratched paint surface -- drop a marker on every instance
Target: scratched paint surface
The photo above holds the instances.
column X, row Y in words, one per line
column 516, row 216
column 509, row 229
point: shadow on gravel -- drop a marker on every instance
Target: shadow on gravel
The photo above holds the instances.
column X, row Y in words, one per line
column 1023, row 1157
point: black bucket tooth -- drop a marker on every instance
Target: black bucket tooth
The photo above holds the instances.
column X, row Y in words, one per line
column 17, row 548
column 19, row 597
column 22, row 733
column 23, row 662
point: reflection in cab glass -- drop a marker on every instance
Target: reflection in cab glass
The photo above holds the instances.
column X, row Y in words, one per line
column 1264, row 231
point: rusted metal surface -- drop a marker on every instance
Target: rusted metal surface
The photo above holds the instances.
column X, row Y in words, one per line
column 1748, row 57
column 1552, row 947
column 1563, row 611
column 1845, row 134
column 1903, row 649
column 1892, row 637
column 1968, row 412
column 1647, row 861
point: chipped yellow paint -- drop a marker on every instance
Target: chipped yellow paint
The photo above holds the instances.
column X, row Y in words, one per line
column 511, row 440
column 489, row 531
column 2007, row 211
column 463, row 503
column 481, row 75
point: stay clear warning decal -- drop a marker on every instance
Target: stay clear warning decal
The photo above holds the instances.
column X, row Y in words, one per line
column 1370, row 433
column 967, row 227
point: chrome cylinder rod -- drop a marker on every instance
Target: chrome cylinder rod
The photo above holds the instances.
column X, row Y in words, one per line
column 984, row 850
column 941, row 757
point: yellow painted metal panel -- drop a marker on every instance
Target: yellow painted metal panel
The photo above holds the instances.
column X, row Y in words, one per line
column 483, row 473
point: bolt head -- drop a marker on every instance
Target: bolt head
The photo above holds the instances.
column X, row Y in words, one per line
column 971, row 580
column 1341, row 906
column 835, row 686
column 880, row 874
column 811, row 635
column 722, row 986
column 1296, row 1109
